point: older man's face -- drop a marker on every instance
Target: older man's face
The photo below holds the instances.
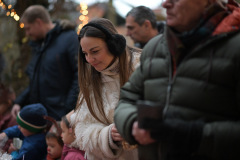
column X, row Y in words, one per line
column 135, row 31
column 183, row 15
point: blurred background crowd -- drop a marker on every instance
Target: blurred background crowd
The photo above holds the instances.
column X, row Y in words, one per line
column 14, row 48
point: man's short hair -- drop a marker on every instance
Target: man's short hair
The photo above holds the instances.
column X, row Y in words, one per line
column 36, row 11
column 142, row 13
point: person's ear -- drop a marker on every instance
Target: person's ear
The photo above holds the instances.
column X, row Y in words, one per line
column 147, row 24
column 38, row 21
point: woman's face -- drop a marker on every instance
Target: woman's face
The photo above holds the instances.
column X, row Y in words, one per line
column 183, row 15
column 96, row 52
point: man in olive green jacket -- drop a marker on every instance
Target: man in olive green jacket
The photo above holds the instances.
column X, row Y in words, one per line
column 193, row 72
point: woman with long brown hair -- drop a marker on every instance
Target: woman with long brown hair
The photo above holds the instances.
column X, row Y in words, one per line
column 105, row 64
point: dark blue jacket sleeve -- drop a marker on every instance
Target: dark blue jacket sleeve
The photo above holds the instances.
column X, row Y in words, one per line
column 33, row 148
column 13, row 132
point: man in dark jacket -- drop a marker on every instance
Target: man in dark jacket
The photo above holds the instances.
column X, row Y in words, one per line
column 142, row 25
column 53, row 68
column 189, row 86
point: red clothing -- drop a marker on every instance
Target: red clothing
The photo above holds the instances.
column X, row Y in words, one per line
column 72, row 154
column 231, row 22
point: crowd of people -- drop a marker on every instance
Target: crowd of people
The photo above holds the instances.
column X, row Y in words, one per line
column 174, row 95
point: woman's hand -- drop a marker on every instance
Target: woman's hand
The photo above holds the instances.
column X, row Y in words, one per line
column 115, row 135
column 142, row 136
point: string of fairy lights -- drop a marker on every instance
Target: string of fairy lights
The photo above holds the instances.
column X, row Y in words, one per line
column 83, row 18
column 9, row 10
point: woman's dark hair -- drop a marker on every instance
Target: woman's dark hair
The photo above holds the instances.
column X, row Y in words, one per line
column 65, row 120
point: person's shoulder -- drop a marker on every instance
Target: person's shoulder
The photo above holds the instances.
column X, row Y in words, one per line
column 67, row 25
column 69, row 35
column 152, row 45
column 155, row 39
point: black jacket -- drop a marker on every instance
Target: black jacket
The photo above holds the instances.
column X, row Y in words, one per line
column 53, row 72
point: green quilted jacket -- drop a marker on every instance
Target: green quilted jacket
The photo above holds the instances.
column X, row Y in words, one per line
column 206, row 86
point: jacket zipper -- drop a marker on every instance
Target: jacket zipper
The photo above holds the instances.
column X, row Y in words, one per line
column 169, row 87
column 171, row 79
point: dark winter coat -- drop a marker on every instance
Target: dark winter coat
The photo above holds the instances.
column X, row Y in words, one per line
column 33, row 147
column 53, row 72
column 206, row 86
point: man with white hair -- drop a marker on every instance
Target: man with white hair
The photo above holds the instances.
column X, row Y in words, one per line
column 189, row 86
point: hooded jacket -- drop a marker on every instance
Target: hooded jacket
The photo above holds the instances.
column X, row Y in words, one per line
column 33, row 147
column 53, row 72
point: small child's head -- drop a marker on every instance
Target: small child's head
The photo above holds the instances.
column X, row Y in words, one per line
column 31, row 119
column 7, row 96
column 55, row 145
column 67, row 135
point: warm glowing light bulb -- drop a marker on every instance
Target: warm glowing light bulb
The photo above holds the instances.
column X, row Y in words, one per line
column 16, row 17
column 85, row 12
column 21, row 25
column 82, row 17
column 84, row 6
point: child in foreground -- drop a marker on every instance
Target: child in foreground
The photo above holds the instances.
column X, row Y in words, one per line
column 54, row 141
column 54, row 146
column 68, row 136
column 31, row 130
